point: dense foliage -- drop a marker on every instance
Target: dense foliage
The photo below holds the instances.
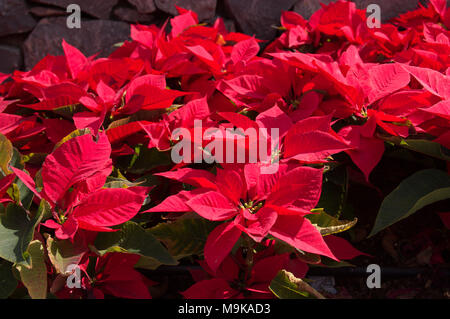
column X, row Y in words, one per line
column 87, row 175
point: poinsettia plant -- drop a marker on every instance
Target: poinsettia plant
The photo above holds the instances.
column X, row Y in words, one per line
column 91, row 195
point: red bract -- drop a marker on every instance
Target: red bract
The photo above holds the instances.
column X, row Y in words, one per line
column 148, row 93
column 259, row 204
column 5, row 183
column 234, row 279
column 84, row 139
column 312, row 140
column 225, row 283
column 115, row 275
column 72, row 178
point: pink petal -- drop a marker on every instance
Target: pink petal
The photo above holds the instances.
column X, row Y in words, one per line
column 50, row 223
column 106, row 93
column 194, row 177
column 5, row 183
column 239, row 120
column 57, row 129
column 301, row 234
column 219, row 244
column 9, row 122
column 313, row 146
column 441, row 109
column 445, row 217
column 244, row 51
column 27, row 180
column 194, row 109
column 68, row 229
column 386, row 79
column 367, row 152
column 259, row 228
column 88, row 120
column 174, row 203
column 301, row 185
column 215, row 288
column 260, row 185
column 110, row 206
column 274, row 118
column 182, row 22
column 341, row 248
column 76, row 60
column 205, row 57
column 230, row 184
column 433, row 81
column 212, row 206
column 73, row 162
column 266, row 269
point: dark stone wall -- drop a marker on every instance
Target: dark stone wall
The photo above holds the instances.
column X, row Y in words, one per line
column 31, row 29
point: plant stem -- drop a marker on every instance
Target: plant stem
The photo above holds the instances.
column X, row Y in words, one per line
column 249, row 257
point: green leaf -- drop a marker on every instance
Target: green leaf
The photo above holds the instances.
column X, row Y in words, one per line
column 144, row 159
column 35, row 276
column 67, row 111
column 14, row 193
column 16, row 232
column 7, row 281
column 148, row 263
column 35, row 158
column 415, row 192
column 132, row 238
column 63, row 253
column 45, row 210
column 426, row 147
column 184, row 237
column 6, row 153
column 282, row 247
column 286, row 286
column 17, row 160
column 72, row 135
column 327, row 224
column 334, row 191
column 25, row 194
column 114, row 182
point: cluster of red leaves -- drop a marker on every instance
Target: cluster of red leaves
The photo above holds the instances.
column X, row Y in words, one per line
column 331, row 70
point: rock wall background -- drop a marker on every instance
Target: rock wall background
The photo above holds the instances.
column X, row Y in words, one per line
column 31, row 29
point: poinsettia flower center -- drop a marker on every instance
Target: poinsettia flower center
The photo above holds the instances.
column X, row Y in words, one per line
column 62, row 218
column 295, row 103
column 61, row 215
column 251, row 206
